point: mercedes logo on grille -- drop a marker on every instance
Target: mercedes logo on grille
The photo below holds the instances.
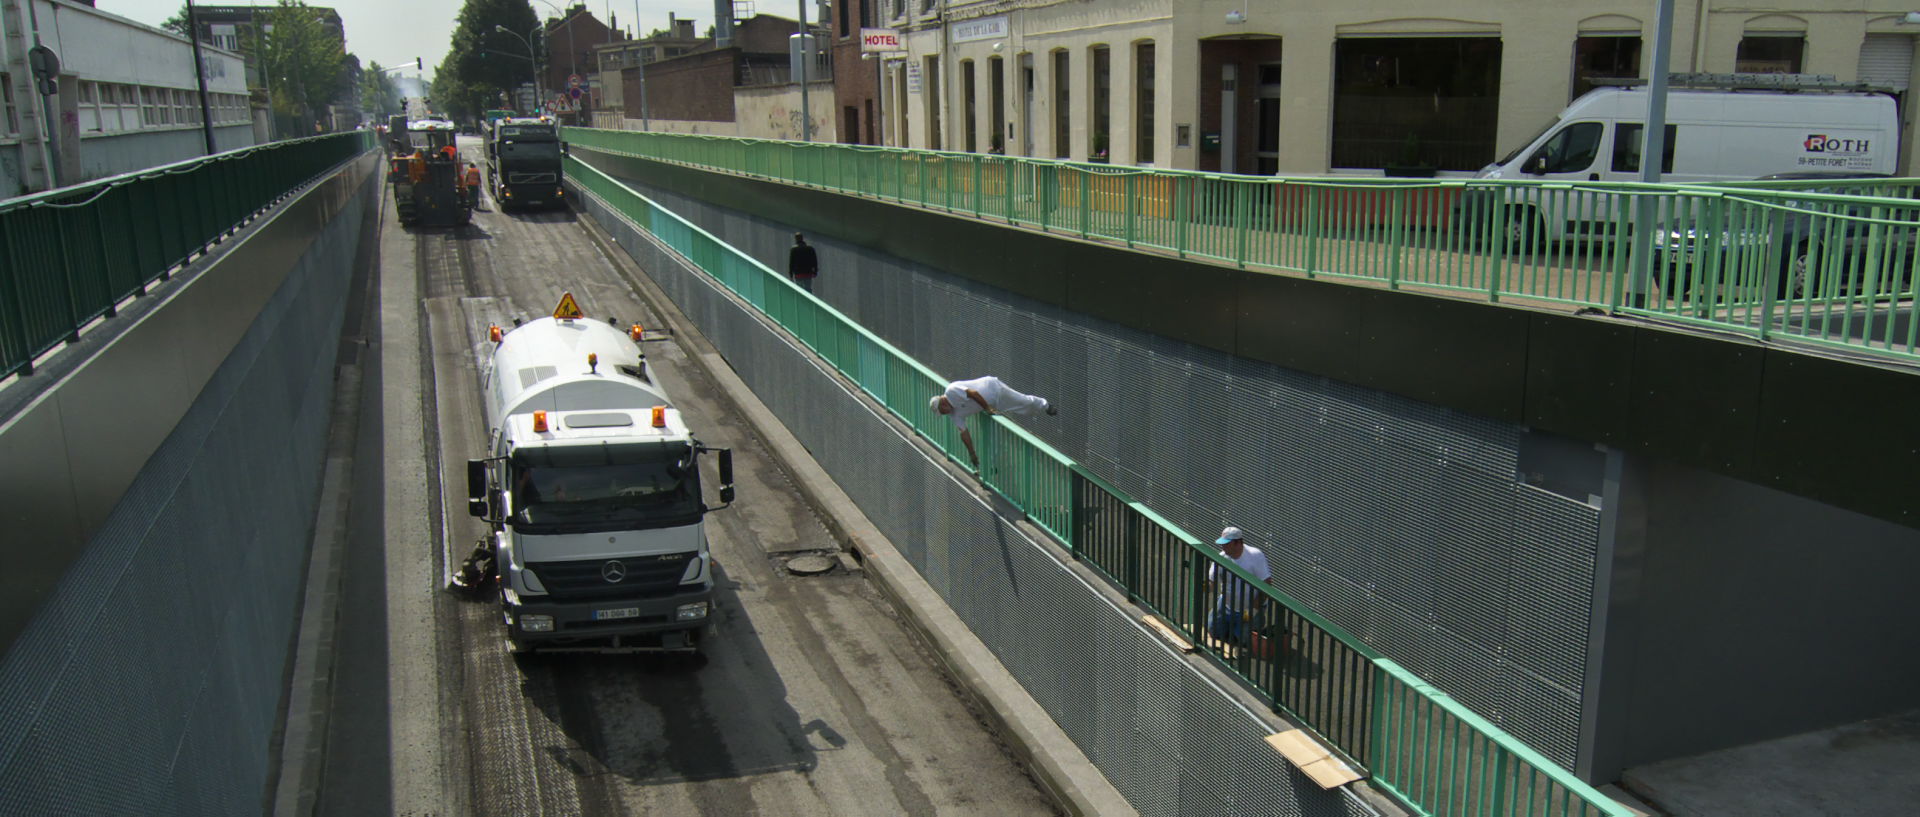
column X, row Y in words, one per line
column 613, row 571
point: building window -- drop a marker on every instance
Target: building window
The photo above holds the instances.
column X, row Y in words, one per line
column 109, row 107
column 1416, row 102
column 89, row 107
column 931, row 93
column 997, row 100
column 1603, row 57
column 969, row 141
column 1100, row 62
column 1062, row 99
column 1143, row 100
column 1770, row 54
column 130, row 111
column 926, row 6
column 841, row 13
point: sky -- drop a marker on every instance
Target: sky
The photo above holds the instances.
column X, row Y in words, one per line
column 391, row 32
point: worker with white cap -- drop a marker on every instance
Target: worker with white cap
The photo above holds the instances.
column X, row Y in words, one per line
column 1239, row 609
column 964, row 398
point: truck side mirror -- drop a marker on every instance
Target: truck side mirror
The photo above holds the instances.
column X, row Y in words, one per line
column 1537, row 166
column 566, row 148
column 477, row 497
column 726, row 475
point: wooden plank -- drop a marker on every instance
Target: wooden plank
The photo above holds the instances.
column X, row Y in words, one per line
column 1167, row 632
column 1307, row 754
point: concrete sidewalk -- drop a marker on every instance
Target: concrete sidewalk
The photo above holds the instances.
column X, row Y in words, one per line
column 1865, row 769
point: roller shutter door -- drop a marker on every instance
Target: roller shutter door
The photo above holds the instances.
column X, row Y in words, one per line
column 1887, row 59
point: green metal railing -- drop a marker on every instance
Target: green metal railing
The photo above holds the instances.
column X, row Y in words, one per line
column 71, row 254
column 1566, row 243
column 1417, row 742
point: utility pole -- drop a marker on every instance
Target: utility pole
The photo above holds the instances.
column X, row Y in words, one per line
column 640, row 66
column 200, row 77
column 806, row 55
column 45, row 67
column 1652, row 154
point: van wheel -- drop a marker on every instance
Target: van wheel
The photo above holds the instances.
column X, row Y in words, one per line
column 1525, row 232
column 1795, row 277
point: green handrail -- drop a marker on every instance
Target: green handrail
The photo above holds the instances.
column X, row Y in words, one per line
column 71, row 254
column 1560, row 243
column 1047, row 486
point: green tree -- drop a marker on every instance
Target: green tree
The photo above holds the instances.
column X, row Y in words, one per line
column 379, row 96
column 483, row 61
column 304, row 61
column 178, row 22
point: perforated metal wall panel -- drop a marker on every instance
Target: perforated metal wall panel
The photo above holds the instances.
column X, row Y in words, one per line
column 1171, row 742
column 150, row 681
column 1400, row 520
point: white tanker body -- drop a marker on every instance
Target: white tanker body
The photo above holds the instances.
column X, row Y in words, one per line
column 592, row 487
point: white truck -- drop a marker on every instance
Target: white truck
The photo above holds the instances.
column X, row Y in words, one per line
column 591, row 489
column 1720, row 127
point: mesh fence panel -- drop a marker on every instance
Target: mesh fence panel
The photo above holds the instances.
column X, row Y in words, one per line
column 150, row 681
column 1169, row 740
column 1400, row 520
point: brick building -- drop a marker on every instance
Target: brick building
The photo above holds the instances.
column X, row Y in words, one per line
column 571, row 41
column 699, row 87
column 856, row 80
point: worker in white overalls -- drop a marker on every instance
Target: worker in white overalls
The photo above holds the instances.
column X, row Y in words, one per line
column 967, row 397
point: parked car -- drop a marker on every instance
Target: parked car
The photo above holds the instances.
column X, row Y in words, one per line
column 1819, row 248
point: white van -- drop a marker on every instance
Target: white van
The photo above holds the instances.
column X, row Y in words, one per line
column 1720, row 134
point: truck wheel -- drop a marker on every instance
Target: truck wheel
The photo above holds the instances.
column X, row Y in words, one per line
column 1526, row 233
column 1795, row 275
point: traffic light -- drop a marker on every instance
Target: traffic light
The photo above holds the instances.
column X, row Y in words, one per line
column 419, row 65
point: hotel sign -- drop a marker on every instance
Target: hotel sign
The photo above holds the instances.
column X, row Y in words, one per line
column 880, row 41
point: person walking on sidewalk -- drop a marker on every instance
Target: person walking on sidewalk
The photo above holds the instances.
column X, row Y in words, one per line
column 964, row 398
column 802, row 263
column 1239, row 610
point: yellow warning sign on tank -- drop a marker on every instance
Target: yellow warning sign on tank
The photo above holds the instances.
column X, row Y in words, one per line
column 568, row 310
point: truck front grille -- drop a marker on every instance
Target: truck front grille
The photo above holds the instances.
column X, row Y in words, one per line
column 530, row 178
column 639, row 577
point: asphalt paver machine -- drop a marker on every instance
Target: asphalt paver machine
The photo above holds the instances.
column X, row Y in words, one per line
column 429, row 178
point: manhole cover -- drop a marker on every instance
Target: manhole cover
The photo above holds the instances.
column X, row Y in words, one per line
column 809, row 565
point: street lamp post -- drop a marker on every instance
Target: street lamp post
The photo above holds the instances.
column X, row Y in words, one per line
column 532, row 58
column 806, row 54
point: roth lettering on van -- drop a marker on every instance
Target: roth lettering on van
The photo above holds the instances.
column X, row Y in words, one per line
column 1822, row 143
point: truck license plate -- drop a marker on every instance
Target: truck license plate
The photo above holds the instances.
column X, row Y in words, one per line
column 622, row 612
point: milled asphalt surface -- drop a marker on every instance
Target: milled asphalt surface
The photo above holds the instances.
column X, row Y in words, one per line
column 813, row 697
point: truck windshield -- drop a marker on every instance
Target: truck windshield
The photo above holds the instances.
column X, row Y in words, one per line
column 1528, row 142
column 620, row 496
column 530, row 150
